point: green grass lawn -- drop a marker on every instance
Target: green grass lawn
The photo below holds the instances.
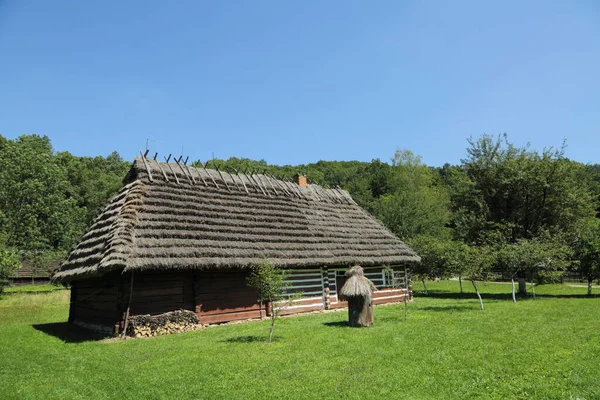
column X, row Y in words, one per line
column 447, row 349
column 46, row 287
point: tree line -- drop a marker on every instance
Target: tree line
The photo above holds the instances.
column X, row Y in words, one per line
column 504, row 209
column 48, row 198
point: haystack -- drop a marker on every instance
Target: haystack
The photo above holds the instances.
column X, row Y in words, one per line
column 358, row 291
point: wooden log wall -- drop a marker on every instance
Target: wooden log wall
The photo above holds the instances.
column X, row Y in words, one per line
column 223, row 296
column 158, row 293
column 95, row 301
column 391, row 286
column 310, row 283
column 216, row 296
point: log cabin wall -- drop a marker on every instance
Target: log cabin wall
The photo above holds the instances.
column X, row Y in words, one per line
column 216, row 295
column 224, row 295
column 159, row 292
column 95, row 302
column 391, row 286
column 310, row 283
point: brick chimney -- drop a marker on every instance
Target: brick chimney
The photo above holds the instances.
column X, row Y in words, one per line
column 301, row 180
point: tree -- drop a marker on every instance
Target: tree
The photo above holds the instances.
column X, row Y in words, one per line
column 528, row 257
column 271, row 285
column 504, row 193
column 37, row 211
column 586, row 246
column 9, row 263
column 478, row 263
column 417, row 203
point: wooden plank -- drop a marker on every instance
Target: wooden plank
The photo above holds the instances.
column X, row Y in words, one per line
column 92, row 315
column 73, row 304
column 151, row 292
column 100, row 298
column 289, row 311
column 306, row 301
column 226, row 295
column 227, row 309
column 156, row 300
column 158, row 279
column 212, row 319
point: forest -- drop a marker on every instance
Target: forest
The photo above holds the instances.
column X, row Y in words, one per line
column 504, row 210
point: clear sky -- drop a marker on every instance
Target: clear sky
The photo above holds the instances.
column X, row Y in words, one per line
column 300, row 81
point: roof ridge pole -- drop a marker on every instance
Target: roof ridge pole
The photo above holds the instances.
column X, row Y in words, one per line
column 190, row 172
column 315, row 190
column 171, row 168
column 182, row 170
column 332, row 194
column 331, row 197
column 208, row 173
column 223, row 179
column 238, row 174
column 347, row 197
column 266, row 189
column 281, row 186
column 251, row 179
column 232, row 178
column 286, row 183
column 160, row 168
column 293, row 185
column 257, row 183
column 270, row 183
column 198, row 172
column 146, row 165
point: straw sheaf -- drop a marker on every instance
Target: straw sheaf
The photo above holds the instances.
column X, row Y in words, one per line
column 161, row 224
column 357, row 284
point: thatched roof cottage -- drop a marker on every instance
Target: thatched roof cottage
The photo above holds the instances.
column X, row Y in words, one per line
column 180, row 237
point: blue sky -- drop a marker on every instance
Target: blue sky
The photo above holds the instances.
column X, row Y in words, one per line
column 297, row 82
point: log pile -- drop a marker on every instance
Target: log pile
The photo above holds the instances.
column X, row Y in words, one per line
column 163, row 324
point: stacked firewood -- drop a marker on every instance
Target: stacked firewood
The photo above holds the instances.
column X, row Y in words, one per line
column 163, row 324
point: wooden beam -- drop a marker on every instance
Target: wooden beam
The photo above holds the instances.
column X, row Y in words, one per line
column 223, row 179
column 231, row 176
column 209, row 174
column 238, row 175
column 270, row 183
column 146, row 165
column 161, row 170
column 171, row 168
column 257, row 183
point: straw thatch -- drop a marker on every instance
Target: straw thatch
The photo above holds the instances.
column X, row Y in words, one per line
column 357, row 284
column 171, row 216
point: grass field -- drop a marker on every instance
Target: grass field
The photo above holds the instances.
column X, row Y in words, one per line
column 447, row 349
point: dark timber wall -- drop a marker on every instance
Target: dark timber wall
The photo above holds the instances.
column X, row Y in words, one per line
column 215, row 295
column 95, row 301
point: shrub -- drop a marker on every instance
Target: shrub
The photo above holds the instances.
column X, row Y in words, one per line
column 9, row 263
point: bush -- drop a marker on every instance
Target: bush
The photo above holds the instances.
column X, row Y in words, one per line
column 550, row 277
column 9, row 263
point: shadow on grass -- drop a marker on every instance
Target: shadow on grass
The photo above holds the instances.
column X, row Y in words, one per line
column 468, row 296
column 566, row 296
column 501, row 296
column 249, row 339
column 68, row 333
column 338, row 324
column 448, row 308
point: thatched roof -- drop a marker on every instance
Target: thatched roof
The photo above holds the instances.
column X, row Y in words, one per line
column 357, row 284
column 30, row 270
column 170, row 216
